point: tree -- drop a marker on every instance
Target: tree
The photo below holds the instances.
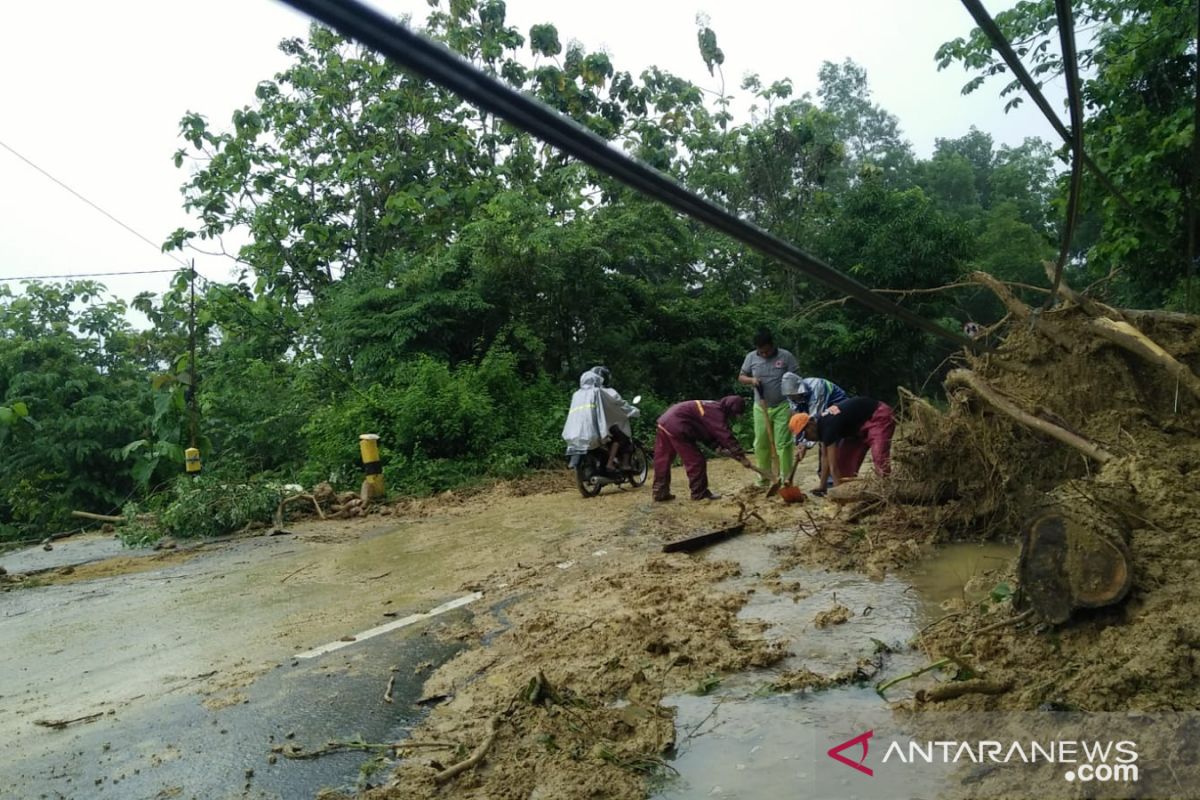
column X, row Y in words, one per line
column 871, row 134
column 1139, row 68
column 65, row 361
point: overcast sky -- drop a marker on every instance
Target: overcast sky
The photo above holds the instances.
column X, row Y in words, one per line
column 93, row 93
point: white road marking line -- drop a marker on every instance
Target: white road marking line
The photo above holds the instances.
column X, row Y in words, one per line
column 391, row 626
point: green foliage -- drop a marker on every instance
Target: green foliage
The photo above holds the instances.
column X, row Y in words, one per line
column 453, row 316
column 70, row 399
column 440, row 426
column 1001, row 591
column 134, row 532
column 211, row 505
column 1138, row 65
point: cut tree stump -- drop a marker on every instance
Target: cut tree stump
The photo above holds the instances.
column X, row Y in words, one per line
column 1073, row 556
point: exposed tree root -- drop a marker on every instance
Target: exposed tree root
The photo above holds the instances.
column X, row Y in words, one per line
column 454, row 770
column 967, row 378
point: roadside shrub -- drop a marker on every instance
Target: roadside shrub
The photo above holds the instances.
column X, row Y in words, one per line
column 210, row 506
column 441, row 426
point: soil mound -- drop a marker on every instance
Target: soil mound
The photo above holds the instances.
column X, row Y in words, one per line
column 1079, row 433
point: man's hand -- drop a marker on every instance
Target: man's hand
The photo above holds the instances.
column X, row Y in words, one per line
column 803, row 453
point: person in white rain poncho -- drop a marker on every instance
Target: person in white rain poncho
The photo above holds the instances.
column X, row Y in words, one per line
column 598, row 412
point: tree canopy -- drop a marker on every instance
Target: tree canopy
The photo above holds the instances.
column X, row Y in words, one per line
column 420, row 269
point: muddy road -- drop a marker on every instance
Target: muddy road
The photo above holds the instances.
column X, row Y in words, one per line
column 196, row 672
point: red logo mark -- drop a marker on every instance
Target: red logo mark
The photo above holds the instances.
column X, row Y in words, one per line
column 835, row 752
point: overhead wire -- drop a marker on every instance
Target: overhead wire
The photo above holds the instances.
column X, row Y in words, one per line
column 1066, row 33
column 146, row 239
column 1001, row 45
column 87, row 275
column 438, row 64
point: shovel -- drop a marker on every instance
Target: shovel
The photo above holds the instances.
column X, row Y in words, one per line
column 774, row 490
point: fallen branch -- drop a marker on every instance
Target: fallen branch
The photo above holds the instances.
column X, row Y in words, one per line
column 1090, row 307
column 940, row 620
column 59, row 724
column 283, row 504
column 1019, row 310
column 472, row 760
column 964, row 377
column 296, row 572
column 1158, row 316
column 1130, row 338
column 1024, row 615
column 297, row 753
column 98, row 517
column 387, row 693
column 949, row 691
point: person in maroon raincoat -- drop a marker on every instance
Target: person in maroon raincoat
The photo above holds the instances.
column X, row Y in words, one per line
column 681, row 428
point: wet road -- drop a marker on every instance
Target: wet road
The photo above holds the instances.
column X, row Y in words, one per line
column 190, row 668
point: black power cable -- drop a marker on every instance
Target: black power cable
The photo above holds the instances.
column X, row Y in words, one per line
column 424, row 57
column 1066, row 33
column 1000, row 43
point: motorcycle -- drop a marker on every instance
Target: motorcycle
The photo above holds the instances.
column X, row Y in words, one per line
column 591, row 468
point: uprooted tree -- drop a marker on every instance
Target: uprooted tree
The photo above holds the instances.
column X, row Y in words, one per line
column 1078, row 428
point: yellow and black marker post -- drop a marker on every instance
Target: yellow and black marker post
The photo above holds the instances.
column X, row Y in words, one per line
column 368, row 445
column 191, row 461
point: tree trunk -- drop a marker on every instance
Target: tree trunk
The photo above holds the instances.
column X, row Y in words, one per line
column 1073, row 555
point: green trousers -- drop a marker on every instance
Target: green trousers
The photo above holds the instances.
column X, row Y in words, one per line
column 784, row 441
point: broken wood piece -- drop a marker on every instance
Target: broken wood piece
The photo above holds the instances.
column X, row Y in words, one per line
column 59, row 724
column 98, row 517
column 693, row 543
column 949, row 691
column 967, row 378
column 387, row 693
column 1131, row 339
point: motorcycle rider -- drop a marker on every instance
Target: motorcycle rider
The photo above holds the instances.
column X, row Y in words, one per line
column 599, row 412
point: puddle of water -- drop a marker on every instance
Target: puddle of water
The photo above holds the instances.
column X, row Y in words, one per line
column 739, row 743
column 963, row 572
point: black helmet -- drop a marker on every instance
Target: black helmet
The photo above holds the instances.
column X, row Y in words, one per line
column 603, row 372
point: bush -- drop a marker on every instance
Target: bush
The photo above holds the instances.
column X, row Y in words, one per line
column 441, row 427
column 209, row 506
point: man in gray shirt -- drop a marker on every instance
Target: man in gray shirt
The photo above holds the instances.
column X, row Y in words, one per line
column 763, row 368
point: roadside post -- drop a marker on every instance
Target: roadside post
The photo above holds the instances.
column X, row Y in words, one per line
column 368, row 445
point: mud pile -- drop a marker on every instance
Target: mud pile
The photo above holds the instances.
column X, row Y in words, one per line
column 565, row 702
column 1072, row 413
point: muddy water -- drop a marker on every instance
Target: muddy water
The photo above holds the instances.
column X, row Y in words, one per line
column 744, row 741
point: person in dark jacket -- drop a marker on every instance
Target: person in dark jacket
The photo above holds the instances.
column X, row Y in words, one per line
column 685, row 425
column 847, row 429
